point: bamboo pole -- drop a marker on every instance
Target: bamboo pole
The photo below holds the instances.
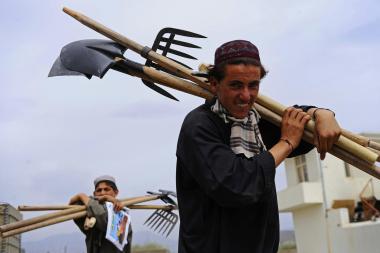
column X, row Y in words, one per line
column 170, row 65
column 336, row 150
column 80, row 212
column 362, row 140
column 343, row 142
column 186, row 86
column 189, row 87
column 44, row 223
column 26, row 208
column 163, row 78
column 41, row 218
column 374, row 145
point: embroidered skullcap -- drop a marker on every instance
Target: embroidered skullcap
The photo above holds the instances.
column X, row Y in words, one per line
column 236, row 49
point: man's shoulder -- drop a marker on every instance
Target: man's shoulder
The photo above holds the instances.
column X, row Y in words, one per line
column 200, row 116
column 198, row 112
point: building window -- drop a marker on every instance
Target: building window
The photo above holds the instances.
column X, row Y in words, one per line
column 347, row 169
column 301, row 168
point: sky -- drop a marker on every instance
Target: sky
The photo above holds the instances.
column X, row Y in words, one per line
column 58, row 134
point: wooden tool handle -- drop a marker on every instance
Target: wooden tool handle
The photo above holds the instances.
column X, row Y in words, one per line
column 26, row 208
column 64, row 216
column 342, row 142
column 336, row 150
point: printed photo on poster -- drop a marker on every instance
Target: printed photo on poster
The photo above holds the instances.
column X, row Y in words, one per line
column 118, row 225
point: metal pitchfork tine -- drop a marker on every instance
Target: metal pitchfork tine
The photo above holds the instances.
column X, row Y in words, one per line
column 165, row 49
column 173, row 220
column 166, row 225
column 170, row 40
column 163, row 216
column 163, row 219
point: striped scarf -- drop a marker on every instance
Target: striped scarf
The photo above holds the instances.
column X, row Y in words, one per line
column 245, row 134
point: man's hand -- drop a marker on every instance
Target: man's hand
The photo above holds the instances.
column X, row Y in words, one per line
column 293, row 124
column 80, row 197
column 326, row 131
column 292, row 128
column 117, row 206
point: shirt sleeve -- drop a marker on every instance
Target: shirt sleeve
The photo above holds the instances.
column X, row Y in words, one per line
column 231, row 180
column 80, row 224
column 271, row 135
column 80, row 221
column 129, row 238
column 99, row 211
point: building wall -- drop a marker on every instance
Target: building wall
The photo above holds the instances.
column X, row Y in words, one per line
column 310, row 220
column 8, row 214
column 352, row 237
column 337, row 185
column 291, row 170
column 331, row 233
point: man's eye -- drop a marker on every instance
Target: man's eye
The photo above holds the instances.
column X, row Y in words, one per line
column 254, row 85
column 235, row 85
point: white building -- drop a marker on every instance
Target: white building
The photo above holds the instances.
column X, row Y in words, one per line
column 8, row 214
column 316, row 189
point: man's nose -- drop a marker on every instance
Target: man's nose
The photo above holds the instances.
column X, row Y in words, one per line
column 245, row 95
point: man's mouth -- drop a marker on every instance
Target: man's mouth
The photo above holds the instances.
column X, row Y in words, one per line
column 243, row 105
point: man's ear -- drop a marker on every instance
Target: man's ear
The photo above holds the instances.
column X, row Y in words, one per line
column 213, row 84
column 116, row 192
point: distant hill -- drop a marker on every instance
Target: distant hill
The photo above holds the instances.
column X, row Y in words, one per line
column 287, row 235
column 74, row 242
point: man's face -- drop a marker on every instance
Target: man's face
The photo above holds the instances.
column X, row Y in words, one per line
column 238, row 90
column 103, row 189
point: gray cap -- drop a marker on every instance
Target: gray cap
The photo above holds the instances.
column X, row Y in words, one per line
column 104, row 178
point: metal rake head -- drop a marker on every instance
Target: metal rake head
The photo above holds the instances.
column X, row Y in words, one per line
column 164, row 220
column 162, row 45
column 164, row 196
column 165, row 39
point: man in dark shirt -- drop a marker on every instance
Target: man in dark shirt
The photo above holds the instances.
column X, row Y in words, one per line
column 226, row 159
column 105, row 190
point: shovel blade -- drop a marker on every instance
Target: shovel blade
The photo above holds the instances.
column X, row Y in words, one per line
column 87, row 57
